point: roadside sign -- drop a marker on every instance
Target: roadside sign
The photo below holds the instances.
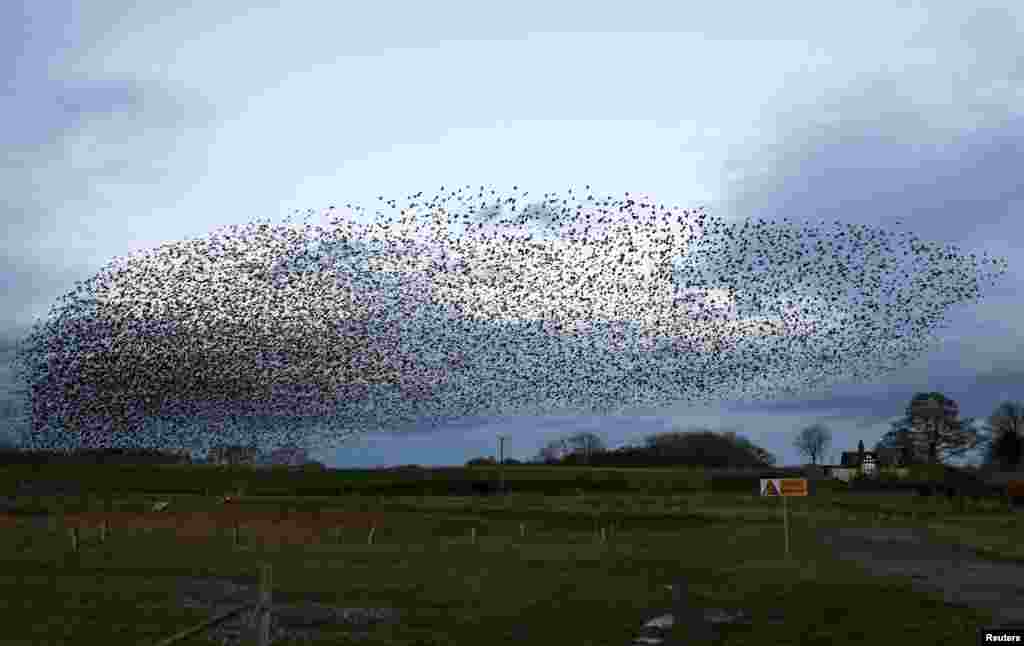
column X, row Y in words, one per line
column 794, row 486
column 783, row 486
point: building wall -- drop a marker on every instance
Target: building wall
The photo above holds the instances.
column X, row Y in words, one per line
column 843, row 473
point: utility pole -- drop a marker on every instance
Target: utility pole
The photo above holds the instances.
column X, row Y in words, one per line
column 501, row 463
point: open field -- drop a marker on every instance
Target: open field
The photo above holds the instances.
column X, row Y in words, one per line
column 537, row 571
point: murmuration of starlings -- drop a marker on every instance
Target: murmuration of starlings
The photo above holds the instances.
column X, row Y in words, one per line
column 471, row 304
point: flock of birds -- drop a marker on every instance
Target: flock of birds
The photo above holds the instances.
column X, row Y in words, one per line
column 473, row 304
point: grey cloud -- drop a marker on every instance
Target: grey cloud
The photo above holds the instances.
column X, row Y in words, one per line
column 894, row 154
column 65, row 139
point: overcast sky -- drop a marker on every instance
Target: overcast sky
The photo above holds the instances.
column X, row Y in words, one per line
column 131, row 125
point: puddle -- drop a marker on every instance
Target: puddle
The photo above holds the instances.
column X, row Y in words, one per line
column 697, row 624
column 299, row 621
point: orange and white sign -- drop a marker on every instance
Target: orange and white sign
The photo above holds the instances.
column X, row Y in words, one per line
column 783, row 486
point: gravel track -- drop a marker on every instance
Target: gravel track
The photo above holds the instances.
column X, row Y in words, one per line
column 958, row 575
column 962, row 577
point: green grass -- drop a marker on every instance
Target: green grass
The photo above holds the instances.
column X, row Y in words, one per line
column 559, row 585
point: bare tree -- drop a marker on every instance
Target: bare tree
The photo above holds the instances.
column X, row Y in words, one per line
column 553, row 450
column 1006, row 435
column 813, row 441
column 900, row 436
column 234, row 454
column 586, row 443
column 583, row 443
column 936, row 430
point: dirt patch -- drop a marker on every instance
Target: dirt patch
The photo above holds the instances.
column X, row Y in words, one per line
column 291, row 527
column 959, row 575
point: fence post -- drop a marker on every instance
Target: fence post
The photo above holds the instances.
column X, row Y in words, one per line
column 522, row 530
column 263, row 614
column 369, row 539
column 689, row 615
column 74, row 539
column 472, row 535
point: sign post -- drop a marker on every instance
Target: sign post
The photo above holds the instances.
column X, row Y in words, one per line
column 785, row 523
column 784, row 488
column 501, row 464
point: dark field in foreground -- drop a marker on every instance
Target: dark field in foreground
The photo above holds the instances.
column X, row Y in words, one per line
column 537, row 572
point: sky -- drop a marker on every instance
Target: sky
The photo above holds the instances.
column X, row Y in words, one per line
column 132, row 125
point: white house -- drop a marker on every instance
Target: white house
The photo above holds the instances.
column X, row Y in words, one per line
column 870, row 463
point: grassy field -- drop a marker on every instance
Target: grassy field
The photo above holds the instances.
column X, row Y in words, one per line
column 557, row 584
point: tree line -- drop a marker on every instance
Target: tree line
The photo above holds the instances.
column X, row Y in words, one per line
column 10, row 454
column 696, row 447
column 932, row 432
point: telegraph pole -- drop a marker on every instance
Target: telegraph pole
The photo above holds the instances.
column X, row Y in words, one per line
column 501, row 463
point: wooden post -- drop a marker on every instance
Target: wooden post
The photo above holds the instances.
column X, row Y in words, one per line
column 501, row 465
column 472, row 535
column 522, row 530
column 73, row 532
column 103, row 531
column 603, row 536
column 263, row 624
column 785, row 522
column 369, row 539
column 699, row 631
